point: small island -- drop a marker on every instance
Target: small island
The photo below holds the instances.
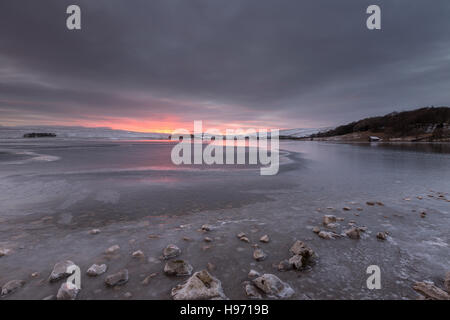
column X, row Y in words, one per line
column 39, row 135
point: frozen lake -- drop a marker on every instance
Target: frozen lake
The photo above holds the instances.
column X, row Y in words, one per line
column 53, row 191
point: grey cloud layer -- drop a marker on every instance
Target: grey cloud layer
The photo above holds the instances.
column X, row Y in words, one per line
column 289, row 61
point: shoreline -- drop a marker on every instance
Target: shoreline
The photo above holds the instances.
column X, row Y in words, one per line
column 210, row 240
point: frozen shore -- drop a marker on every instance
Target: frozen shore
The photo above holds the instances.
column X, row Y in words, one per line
column 123, row 228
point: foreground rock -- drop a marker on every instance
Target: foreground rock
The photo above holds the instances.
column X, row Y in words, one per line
column 62, row 270
column 264, row 239
column 273, row 286
column 430, row 291
column 67, row 291
column 171, row 251
column 117, row 279
column 178, row 268
column 12, row 286
column 201, row 286
column 96, row 270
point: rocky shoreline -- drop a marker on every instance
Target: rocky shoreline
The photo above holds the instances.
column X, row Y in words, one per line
column 205, row 283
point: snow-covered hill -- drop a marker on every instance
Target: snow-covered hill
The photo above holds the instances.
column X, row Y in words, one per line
column 302, row 132
column 78, row 132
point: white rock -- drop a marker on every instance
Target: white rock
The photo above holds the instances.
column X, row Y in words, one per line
column 96, row 270
column 138, row 254
column 4, row 252
column 61, row 270
column 113, row 249
column 264, row 238
column 201, row 286
column 273, row 286
column 206, row 227
column 245, row 239
column 327, row 235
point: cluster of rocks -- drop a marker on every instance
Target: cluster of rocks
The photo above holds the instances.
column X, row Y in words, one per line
column 301, row 254
column 353, row 232
column 266, row 285
column 175, row 267
column 258, row 253
column 63, row 269
column 200, row 286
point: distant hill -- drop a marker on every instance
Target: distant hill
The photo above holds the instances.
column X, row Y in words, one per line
column 76, row 132
column 301, row 132
column 425, row 124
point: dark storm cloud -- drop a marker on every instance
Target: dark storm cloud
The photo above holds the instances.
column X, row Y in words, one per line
column 287, row 61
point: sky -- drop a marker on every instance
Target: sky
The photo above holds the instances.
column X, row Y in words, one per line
column 159, row 65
